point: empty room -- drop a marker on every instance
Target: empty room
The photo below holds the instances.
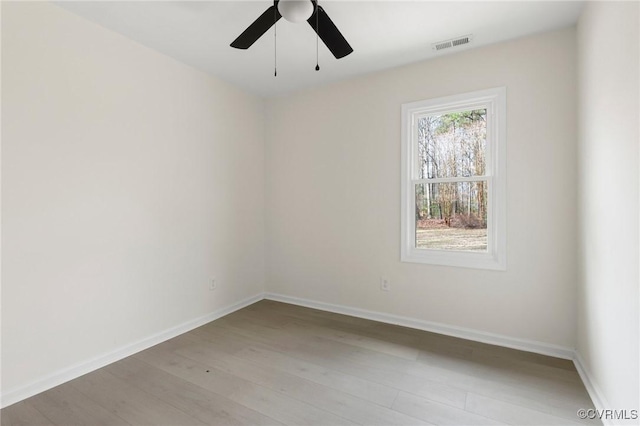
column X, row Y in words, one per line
column 303, row 212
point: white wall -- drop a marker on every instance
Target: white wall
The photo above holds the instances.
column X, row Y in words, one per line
column 333, row 193
column 128, row 180
column 609, row 117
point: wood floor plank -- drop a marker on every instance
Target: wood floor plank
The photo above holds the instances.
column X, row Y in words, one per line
column 514, row 354
column 310, row 314
column 379, row 345
column 512, row 413
column 437, row 391
column 23, row 414
column 558, row 407
column 506, row 386
column 388, row 332
column 341, row 334
column 134, row 405
column 439, row 414
column 290, row 338
column 492, row 363
column 335, row 401
column 266, row 355
column 207, row 406
column 64, row 405
column 355, row 386
column 370, row 330
column 271, row 403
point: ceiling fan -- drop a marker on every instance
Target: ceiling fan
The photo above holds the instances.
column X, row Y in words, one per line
column 296, row 11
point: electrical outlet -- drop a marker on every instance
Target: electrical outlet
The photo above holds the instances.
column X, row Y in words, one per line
column 213, row 284
column 385, row 285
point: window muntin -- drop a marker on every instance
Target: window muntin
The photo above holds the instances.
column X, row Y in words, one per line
column 453, row 210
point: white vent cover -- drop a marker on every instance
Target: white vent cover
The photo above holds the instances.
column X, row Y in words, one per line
column 458, row 41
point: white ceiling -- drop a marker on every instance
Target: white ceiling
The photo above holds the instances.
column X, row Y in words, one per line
column 383, row 34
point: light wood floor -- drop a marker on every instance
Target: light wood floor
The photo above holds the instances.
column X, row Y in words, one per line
column 273, row 363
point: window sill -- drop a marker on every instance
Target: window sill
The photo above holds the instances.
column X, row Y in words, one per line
column 460, row 259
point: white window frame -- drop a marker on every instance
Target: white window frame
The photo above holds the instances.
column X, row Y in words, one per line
column 494, row 100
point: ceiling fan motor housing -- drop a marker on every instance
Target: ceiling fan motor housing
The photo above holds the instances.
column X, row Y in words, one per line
column 296, row 10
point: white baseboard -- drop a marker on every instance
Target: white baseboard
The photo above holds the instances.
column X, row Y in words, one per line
column 449, row 330
column 62, row 376
column 599, row 401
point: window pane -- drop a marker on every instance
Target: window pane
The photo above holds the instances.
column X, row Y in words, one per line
column 451, row 216
column 452, row 145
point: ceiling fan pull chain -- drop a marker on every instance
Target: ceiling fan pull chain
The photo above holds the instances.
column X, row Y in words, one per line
column 275, row 45
column 317, row 37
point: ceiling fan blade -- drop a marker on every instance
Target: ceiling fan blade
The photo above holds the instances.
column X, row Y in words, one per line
column 257, row 28
column 329, row 34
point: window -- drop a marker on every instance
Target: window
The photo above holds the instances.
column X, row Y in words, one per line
column 453, row 180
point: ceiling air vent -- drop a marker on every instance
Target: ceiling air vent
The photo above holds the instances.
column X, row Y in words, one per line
column 446, row 44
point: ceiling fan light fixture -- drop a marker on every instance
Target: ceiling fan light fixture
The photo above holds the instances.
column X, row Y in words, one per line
column 295, row 10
